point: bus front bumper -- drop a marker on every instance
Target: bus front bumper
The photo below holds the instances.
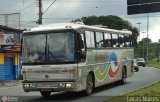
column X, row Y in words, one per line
column 48, row 86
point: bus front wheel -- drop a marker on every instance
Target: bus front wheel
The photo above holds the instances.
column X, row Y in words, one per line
column 89, row 84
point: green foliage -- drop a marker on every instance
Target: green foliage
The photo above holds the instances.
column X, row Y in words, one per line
column 154, row 63
column 147, row 92
column 145, row 40
column 112, row 22
column 153, row 49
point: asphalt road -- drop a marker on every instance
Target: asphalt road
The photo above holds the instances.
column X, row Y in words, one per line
column 144, row 77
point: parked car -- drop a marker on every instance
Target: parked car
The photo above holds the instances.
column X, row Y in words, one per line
column 141, row 62
column 136, row 67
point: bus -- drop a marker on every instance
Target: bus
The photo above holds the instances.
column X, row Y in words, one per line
column 75, row 57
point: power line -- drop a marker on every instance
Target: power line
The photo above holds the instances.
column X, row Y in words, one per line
column 40, row 10
column 49, row 6
column 62, row 18
column 26, row 7
column 97, row 16
column 91, row 1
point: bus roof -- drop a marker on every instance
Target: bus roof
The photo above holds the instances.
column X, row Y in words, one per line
column 65, row 26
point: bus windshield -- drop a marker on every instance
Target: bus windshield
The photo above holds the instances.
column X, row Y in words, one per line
column 48, row 48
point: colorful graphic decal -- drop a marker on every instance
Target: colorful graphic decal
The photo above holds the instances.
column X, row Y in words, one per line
column 112, row 68
column 100, row 76
column 124, row 57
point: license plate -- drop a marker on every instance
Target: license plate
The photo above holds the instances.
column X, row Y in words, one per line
column 47, row 85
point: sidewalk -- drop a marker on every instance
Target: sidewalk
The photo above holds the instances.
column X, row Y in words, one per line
column 9, row 83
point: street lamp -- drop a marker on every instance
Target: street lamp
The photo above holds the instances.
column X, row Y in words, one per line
column 143, row 47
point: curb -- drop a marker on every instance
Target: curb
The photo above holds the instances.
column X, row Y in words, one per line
column 153, row 67
column 139, row 88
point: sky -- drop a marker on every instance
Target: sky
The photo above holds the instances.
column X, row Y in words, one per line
column 67, row 10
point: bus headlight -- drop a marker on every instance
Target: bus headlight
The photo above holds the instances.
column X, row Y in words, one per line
column 26, row 85
column 62, row 84
column 32, row 86
column 68, row 85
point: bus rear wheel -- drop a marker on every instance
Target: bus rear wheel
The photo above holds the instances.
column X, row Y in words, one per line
column 89, row 84
column 123, row 80
column 45, row 93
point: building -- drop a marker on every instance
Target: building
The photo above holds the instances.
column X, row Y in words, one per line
column 10, row 49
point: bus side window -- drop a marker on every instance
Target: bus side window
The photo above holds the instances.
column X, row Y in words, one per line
column 81, row 47
column 127, row 41
column 132, row 41
column 80, row 42
column 107, row 40
column 90, row 40
column 115, row 40
column 99, row 39
column 121, row 40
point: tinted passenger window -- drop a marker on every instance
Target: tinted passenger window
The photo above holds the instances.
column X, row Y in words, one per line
column 90, row 39
column 115, row 40
column 128, row 41
column 99, row 39
column 107, row 40
column 121, row 40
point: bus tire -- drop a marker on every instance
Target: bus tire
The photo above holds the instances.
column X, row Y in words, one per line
column 89, row 84
column 45, row 93
column 123, row 80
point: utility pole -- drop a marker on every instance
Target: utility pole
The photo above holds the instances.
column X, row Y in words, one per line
column 139, row 23
column 147, row 37
column 6, row 19
column 40, row 12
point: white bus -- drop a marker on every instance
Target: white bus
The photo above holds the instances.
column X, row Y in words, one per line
column 75, row 57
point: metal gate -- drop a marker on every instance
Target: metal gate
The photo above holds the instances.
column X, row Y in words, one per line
column 9, row 68
column 2, row 72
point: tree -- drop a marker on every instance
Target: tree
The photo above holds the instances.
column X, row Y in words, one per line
column 141, row 51
column 145, row 40
column 112, row 22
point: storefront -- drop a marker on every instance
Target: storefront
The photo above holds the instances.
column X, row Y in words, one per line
column 9, row 53
column 9, row 68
